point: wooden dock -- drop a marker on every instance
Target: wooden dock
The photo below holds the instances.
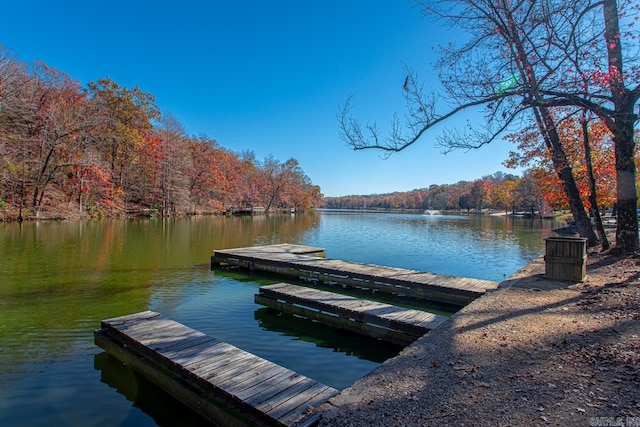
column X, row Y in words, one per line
column 223, row 383
column 384, row 321
column 299, row 261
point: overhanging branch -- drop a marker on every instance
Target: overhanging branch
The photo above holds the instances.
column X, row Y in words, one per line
column 362, row 137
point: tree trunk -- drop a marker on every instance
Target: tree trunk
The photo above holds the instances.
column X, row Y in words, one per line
column 627, row 199
column 38, row 187
column 547, row 128
column 593, row 198
column 561, row 165
column 576, row 206
column 21, row 205
column 623, row 120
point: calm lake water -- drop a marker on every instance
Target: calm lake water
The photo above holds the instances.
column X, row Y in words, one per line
column 59, row 279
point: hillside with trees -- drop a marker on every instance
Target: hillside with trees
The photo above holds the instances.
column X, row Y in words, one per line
column 103, row 150
column 498, row 192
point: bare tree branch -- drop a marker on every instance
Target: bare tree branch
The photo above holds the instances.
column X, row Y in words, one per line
column 521, row 57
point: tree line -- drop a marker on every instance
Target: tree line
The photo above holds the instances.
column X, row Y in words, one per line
column 499, row 192
column 538, row 191
column 68, row 150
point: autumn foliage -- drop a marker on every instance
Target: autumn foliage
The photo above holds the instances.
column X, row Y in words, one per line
column 537, row 191
column 531, row 153
column 106, row 150
column 497, row 192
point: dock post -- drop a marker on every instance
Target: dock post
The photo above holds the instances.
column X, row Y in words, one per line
column 214, row 262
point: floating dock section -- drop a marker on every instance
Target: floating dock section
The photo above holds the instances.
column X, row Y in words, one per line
column 309, row 263
column 384, row 321
column 222, row 383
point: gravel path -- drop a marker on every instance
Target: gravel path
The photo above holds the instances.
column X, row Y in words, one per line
column 533, row 352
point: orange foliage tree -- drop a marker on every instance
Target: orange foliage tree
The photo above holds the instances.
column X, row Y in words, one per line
column 533, row 154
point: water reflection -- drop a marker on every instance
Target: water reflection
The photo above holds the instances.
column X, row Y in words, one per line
column 325, row 336
column 154, row 402
column 478, row 246
column 59, row 279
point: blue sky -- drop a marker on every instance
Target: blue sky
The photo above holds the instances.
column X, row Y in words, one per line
column 266, row 76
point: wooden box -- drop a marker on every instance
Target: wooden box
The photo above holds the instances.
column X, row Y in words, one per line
column 566, row 258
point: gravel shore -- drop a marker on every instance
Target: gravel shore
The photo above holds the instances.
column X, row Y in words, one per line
column 534, row 352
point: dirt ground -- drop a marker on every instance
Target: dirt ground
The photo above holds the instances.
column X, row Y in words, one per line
column 534, row 352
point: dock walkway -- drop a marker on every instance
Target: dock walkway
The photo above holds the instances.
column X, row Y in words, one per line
column 194, row 368
column 388, row 322
column 298, row 261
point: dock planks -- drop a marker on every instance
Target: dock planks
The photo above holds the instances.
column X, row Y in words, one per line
column 194, row 368
column 391, row 323
column 298, row 261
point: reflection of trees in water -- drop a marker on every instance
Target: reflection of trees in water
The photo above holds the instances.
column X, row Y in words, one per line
column 326, row 336
column 59, row 279
column 286, row 228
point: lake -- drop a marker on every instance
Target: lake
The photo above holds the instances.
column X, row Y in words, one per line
column 59, row 279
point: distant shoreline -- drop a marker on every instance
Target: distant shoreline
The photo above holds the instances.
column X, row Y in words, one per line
column 459, row 212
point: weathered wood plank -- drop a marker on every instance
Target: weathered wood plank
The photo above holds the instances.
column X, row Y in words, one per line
column 287, row 398
column 254, row 378
column 436, row 287
column 197, row 357
column 165, row 338
column 133, row 318
column 243, row 379
column 195, row 368
column 162, row 335
column 269, row 388
column 271, row 381
column 293, row 400
column 236, row 364
column 338, row 303
column 183, row 346
column 216, row 361
column 373, row 331
column 142, row 327
column 395, row 324
column 219, row 355
column 321, row 397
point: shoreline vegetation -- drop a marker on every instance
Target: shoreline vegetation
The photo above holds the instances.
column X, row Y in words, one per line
column 101, row 150
column 284, row 188
column 47, row 215
column 54, row 215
